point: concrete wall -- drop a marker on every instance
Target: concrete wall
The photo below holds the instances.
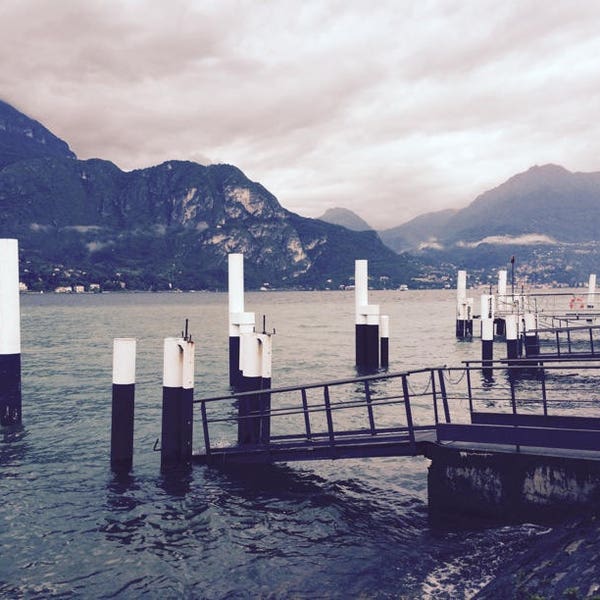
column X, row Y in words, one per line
column 510, row 487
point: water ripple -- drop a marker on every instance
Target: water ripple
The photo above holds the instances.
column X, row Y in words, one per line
column 69, row 528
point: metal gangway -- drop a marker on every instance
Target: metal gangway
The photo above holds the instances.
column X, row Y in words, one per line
column 566, row 342
column 375, row 415
column 552, row 308
column 502, row 408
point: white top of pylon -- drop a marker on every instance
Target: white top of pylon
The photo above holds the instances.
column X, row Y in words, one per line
column 10, row 314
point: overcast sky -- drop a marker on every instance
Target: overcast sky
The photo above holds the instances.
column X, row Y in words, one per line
column 388, row 108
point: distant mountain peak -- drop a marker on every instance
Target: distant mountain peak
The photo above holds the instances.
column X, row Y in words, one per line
column 547, row 172
column 24, row 138
column 418, row 233
column 548, row 168
column 346, row 218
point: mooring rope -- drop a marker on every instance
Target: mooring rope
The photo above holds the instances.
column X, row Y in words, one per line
column 423, row 393
column 449, row 380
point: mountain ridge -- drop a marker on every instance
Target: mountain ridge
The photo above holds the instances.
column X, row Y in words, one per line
column 172, row 225
column 547, row 216
column 24, row 138
column 545, row 199
column 346, row 218
column 167, row 226
column 548, row 200
column 420, row 229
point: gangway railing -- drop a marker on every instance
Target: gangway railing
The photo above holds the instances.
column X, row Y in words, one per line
column 551, row 307
column 360, row 416
column 554, row 404
column 568, row 341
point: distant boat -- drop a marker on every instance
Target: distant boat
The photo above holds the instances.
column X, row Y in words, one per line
column 403, row 288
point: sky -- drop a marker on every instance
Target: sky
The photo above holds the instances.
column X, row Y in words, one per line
column 388, row 108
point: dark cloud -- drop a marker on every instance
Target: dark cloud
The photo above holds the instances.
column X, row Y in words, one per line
column 400, row 107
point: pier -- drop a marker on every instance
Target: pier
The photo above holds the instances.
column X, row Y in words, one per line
column 521, row 441
column 402, row 413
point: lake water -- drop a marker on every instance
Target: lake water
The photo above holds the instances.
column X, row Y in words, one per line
column 69, row 528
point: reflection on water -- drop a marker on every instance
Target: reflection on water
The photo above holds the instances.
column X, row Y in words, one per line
column 13, row 447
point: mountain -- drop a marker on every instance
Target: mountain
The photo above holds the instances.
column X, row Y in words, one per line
column 24, row 138
column 544, row 205
column 417, row 232
column 172, row 225
column 346, row 218
column 547, row 216
column 546, row 201
column 168, row 226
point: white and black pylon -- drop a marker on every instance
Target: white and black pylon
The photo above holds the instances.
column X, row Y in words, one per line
column 10, row 334
column 487, row 333
column 254, row 410
column 366, row 321
column 501, row 302
column 239, row 321
column 123, row 400
column 512, row 337
column 464, row 308
column 384, row 345
column 591, row 291
column 177, row 403
column 531, row 340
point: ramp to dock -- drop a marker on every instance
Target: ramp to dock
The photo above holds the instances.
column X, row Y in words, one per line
column 556, row 406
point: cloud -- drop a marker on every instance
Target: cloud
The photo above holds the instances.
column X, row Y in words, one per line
column 529, row 239
column 389, row 108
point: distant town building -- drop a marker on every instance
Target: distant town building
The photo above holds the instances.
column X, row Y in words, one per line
column 78, row 289
column 22, row 287
column 67, row 289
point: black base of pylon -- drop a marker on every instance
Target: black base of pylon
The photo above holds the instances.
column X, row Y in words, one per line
column 10, row 389
column 235, row 375
column 254, row 418
column 177, row 427
column 121, row 433
column 464, row 329
column 385, row 352
column 367, row 347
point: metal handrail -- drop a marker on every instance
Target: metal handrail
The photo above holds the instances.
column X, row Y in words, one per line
column 524, row 364
column 302, row 407
column 289, row 411
column 561, row 329
column 308, row 386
